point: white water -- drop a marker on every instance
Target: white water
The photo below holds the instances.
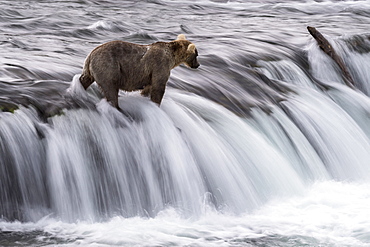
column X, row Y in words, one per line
column 192, row 172
column 285, row 177
column 326, row 214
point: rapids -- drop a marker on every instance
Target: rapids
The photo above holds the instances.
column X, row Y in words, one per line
column 262, row 145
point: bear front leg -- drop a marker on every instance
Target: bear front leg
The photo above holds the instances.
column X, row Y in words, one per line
column 146, row 91
column 157, row 91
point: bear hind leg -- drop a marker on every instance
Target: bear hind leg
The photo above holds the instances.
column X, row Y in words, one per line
column 111, row 94
column 86, row 80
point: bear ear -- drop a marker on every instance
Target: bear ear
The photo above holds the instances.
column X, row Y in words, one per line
column 181, row 37
column 191, row 48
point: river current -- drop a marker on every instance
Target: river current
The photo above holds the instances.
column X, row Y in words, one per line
column 263, row 145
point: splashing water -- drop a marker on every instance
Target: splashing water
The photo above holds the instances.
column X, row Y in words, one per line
column 263, row 145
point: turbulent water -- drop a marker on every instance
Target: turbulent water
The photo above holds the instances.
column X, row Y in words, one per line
column 262, row 145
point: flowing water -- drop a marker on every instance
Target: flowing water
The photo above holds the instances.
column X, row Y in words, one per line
column 262, row 145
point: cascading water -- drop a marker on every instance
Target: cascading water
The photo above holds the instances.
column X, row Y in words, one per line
column 263, row 145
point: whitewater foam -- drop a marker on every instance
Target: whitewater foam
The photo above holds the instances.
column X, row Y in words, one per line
column 328, row 214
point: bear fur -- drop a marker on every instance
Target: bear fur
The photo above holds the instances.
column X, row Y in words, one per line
column 122, row 65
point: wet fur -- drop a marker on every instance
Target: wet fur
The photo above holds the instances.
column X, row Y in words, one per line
column 122, row 65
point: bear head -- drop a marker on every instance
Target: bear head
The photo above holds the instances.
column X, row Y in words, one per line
column 185, row 52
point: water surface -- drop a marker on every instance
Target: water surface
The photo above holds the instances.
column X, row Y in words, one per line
column 263, row 145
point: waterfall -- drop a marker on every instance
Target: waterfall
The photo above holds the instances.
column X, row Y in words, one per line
column 191, row 153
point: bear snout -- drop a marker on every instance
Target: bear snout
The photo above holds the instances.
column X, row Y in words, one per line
column 195, row 65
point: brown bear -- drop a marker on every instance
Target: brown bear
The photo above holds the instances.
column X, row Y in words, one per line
column 122, row 65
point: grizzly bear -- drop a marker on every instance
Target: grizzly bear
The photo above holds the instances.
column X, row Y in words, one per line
column 122, row 65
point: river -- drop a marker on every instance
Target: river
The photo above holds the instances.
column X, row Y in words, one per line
column 263, row 145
